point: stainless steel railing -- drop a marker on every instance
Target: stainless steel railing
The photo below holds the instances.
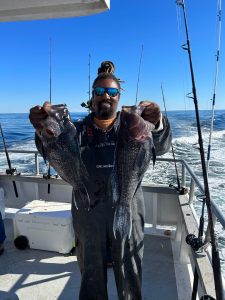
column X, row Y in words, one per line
column 217, row 213
column 194, row 180
column 34, row 152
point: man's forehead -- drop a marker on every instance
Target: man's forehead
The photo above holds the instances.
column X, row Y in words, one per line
column 108, row 81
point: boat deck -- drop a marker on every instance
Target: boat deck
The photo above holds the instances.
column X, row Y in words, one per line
column 34, row 274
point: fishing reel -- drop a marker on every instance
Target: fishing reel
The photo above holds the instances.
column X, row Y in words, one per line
column 11, row 171
column 195, row 242
column 49, row 176
column 182, row 190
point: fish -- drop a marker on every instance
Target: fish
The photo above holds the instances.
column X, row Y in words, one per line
column 132, row 156
column 61, row 149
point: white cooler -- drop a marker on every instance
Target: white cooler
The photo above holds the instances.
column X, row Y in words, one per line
column 47, row 225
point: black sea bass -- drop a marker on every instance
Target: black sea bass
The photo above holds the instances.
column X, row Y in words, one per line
column 61, row 149
column 132, row 157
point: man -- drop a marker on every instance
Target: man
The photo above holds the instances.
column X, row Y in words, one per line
column 97, row 135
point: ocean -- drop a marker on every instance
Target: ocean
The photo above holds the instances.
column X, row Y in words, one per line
column 19, row 134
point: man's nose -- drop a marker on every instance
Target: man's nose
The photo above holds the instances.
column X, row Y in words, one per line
column 106, row 95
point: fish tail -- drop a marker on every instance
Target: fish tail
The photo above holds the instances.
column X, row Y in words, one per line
column 122, row 223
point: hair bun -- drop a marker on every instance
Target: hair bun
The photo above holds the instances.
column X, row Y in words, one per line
column 106, row 67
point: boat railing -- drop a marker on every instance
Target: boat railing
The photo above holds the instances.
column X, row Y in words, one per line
column 185, row 170
column 34, row 152
column 194, row 181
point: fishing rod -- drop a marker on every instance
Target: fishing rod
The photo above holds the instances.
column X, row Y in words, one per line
column 50, row 71
column 87, row 104
column 50, row 100
column 139, row 70
column 215, row 84
column 10, row 171
column 206, row 198
column 173, row 152
column 89, row 77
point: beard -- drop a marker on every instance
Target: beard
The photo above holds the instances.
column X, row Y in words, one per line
column 104, row 109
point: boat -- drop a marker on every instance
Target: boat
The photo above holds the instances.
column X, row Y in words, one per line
column 169, row 262
column 170, row 258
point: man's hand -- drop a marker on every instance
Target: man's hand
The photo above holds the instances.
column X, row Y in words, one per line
column 38, row 114
column 151, row 111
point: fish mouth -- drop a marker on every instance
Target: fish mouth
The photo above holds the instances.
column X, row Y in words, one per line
column 51, row 128
column 49, row 132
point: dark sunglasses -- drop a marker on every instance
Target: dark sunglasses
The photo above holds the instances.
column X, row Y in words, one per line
column 112, row 92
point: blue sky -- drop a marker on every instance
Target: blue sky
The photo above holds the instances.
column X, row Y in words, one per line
column 116, row 35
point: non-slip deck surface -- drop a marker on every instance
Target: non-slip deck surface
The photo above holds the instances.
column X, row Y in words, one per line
column 42, row 275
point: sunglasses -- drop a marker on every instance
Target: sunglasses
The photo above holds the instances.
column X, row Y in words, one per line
column 112, row 92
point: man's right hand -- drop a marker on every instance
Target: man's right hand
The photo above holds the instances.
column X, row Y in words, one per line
column 38, row 114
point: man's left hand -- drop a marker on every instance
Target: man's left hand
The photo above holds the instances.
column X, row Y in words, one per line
column 151, row 112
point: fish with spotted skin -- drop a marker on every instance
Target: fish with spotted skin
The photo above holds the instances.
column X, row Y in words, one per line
column 132, row 157
column 60, row 147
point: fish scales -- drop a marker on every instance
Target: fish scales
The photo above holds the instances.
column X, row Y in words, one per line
column 61, row 149
column 132, row 157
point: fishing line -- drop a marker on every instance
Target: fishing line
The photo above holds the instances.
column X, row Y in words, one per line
column 215, row 253
column 215, row 85
column 139, row 70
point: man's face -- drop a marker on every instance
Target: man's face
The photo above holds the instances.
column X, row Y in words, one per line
column 105, row 105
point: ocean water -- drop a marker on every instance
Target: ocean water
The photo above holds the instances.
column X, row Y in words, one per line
column 19, row 135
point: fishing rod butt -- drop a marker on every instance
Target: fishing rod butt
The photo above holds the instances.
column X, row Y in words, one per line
column 15, row 189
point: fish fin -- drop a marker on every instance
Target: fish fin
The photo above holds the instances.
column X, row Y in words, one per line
column 122, row 223
column 115, row 187
column 74, row 200
column 84, row 200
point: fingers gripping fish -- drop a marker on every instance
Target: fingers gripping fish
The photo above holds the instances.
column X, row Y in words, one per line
column 61, row 149
column 132, row 157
